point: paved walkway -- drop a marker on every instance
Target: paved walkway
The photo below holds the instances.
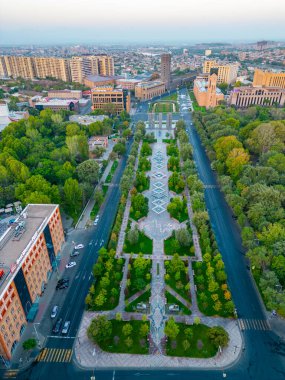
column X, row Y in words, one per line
column 122, row 234
column 138, row 294
column 194, row 308
column 89, row 356
column 178, row 296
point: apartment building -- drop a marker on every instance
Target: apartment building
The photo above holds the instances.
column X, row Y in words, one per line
column 52, row 67
column 106, row 65
column 83, row 66
column 102, row 96
column 268, row 79
column 74, row 69
column 206, row 92
column 165, row 69
column 226, row 73
column 29, row 250
column 243, row 97
column 148, row 90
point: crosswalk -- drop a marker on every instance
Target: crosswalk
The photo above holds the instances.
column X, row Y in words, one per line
column 59, row 355
column 10, row 374
column 253, row 324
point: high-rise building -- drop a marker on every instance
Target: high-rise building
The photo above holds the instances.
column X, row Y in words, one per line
column 29, row 250
column 267, row 78
column 83, row 66
column 52, row 67
column 105, row 95
column 106, row 65
column 206, row 92
column 165, row 69
column 74, row 69
column 226, row 73
column 208, row 52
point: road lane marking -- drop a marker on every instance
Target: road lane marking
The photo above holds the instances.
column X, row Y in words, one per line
column 55, row 355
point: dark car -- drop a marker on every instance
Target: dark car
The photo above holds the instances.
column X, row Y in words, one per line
column 57, row 326
column 62, row 284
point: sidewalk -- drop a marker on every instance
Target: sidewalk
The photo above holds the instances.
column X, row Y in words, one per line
column 85, row 216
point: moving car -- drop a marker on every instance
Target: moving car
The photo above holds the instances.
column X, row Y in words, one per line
column 54, row 311
column 70, row 264
column 62, row 284
column 65, row 328
column 57, row 326
column 79, row 246
column 75, row 253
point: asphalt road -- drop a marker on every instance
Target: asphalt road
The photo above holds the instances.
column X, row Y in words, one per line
column 264, row 354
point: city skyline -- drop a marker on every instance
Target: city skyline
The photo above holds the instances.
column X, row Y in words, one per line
column 34, row 23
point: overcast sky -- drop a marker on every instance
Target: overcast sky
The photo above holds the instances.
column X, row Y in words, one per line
column 77, row 21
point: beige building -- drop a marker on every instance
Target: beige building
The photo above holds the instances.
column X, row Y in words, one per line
column 165, row 69
column 65, row 94
column 267, row 78
column 128, row 84
column 225, row 73
column 98, row 80
column 83, row 66
column 106, row 65
column 74, row 69
column 97, row 142
column 28, row 250
column 206, row 92
column 148, row 90
column 265, row 96
column 102, row 96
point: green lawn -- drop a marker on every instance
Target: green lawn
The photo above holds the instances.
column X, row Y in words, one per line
column 144, row 245
column 200, row 345
column 171, row 97
column 169, row 141
column 143, row 298
column 179, row 285
column 182, row 251
column 112, row 171
column 170, row 299
column 165, row 106
column 116, row 343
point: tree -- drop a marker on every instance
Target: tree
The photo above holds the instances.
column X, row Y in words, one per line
column 129, row 342
column 183, row 237
column 72, row 129
column 78, row 147
column 218, row 336
column 186, row 344
column 186, row 151
column 88, row 171
column 188, row 333
column 224, row 145
column 127, row 329
column 236, row 159
column 100, row 329
column 133, row 236
column 72, row 195
column 171, row 328
column 29, row 344
column 99, row 196
column 119, row 148
column 144, row 330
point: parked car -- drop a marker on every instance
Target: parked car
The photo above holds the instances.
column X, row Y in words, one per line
column 79, row 246
column 62, row 284
column 54, row 311
column 70, row 264
column 57, row 326
column 65, row 328
column 75, row 253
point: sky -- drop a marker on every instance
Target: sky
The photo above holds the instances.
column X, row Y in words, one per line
column 139, row 21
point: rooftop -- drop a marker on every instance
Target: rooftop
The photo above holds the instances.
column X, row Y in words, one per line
column 18, row 238
column 86, row 119
column 150, row 84
column 59, row 102
column 100, row 78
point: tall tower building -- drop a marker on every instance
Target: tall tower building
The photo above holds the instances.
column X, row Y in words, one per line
column 106, row 65
column 165, row 69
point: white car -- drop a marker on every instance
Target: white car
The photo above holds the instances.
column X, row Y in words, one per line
column 79, row 246
column 54, row 312
column 65, row 328
column 70, row 264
